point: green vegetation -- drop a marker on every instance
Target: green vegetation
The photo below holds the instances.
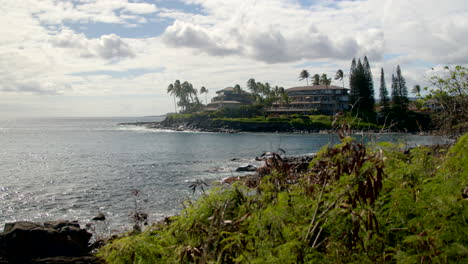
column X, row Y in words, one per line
column 186, row 95
column 355, row 204
column 450, row 92
column 304, row 121
column 384, row 100
column 447, row 100
column 304, row 75
column 264, row 94
column 400, row 99
column 362, row 89
column 296, row 121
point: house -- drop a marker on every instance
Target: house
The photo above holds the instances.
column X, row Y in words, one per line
column 320, row 99
column 229, row 97
column 432, row 105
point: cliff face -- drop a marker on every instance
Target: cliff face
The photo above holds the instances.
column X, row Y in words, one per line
column 221, row 125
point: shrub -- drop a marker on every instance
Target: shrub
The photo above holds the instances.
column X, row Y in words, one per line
column 354, row 204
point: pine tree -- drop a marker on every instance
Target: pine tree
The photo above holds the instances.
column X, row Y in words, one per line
column 362, row 88
column 354, row 93
column 384, row 100
column 367, row 91
column 399, row 90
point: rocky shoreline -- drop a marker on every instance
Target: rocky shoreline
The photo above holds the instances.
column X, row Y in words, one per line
column 222, row 126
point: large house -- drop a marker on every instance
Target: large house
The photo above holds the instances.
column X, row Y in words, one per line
column 229, row 97
column 320, row 99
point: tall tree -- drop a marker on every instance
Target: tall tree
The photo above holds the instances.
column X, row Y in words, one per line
column 354, row 92
column 399, row 90
column 316, row 79
column 203, row 90
column 171, row 91
column 304, row 75
column 384, row 100
column 362, row 91
column 176, row 90
column 367, row 92
column 254, row 90
column 324, row 80
column 340, row 76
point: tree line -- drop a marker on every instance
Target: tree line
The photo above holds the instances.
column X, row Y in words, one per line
column 186, row 95
column 316, row 78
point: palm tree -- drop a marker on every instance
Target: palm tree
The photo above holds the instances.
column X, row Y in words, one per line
column 304, row 75
column 324, row 80
column 417, row 90
column 316, row 79
column 174, row 90
column 339, row 76
column 203, row 90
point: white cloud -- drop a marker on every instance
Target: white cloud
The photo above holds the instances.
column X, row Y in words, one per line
column 85, row 11
column 182, row 34
column 106, row 47
column 430, row 30
column 112, row 46
column 274, row 32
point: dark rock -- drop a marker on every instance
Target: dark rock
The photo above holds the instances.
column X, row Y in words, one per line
column 246, row 168
column 23, row 241
column 99, row 217
column 61, row 223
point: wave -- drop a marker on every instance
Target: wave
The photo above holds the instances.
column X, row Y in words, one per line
column 158, row 130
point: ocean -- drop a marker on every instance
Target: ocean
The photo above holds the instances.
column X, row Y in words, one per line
column 73, row 168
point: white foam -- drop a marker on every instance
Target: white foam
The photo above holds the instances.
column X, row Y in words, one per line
column 157, row 130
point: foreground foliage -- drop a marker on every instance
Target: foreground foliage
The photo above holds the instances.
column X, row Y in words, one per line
column 355, row 204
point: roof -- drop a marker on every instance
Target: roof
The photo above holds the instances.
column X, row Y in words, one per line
column 231, row 89
column 224, row 102
column 315, row 87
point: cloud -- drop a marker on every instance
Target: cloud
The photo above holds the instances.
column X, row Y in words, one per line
column 107, row 47
column 428, row 30
column 182, row 34
column 128, row 73
column 112, row 46
column 30, row 87
column 271, row 32
column 86, row 11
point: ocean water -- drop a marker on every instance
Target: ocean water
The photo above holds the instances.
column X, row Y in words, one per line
column 73, row 168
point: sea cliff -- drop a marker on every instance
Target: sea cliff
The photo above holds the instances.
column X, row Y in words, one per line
column 293, row 123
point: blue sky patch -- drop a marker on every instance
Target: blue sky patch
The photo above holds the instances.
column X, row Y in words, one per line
column 310, row 64
column 180, row 6
column 145, row 30
column 130, row 73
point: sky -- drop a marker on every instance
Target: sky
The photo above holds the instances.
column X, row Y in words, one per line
column 116, row 57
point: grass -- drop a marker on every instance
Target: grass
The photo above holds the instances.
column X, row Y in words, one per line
column 305, row 121
column 355, row 204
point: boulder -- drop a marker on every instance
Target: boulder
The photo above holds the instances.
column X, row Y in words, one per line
column 21, row 242
column 246, row 168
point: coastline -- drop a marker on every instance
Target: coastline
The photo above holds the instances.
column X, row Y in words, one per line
column 241, row 127
column 221, row 126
